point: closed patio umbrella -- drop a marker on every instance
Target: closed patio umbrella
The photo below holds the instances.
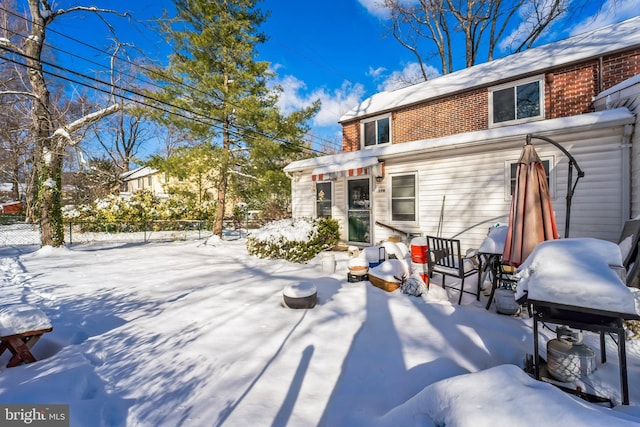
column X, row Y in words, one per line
column 531, row 217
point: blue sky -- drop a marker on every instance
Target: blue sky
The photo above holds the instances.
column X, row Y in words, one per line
column 338, row 51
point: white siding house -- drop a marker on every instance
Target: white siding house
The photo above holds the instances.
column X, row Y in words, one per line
column 457, row 181
column 144, row 178
column 627, row 95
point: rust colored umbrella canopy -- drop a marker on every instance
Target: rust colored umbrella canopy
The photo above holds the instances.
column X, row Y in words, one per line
column 531, row 218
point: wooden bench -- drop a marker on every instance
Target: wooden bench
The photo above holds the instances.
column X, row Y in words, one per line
column 21, row 326
column 20, row 346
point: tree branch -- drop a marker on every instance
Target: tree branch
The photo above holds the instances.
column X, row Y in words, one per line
column 64, row 133
column 18, row 92
column 93, row 9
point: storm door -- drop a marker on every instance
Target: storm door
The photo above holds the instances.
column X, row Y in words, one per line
column 359, row 210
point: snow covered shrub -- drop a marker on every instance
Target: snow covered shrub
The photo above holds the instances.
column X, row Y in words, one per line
column 296, row 240
column 115, row 214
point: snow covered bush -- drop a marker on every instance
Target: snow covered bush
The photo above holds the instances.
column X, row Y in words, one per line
column 296, row 240
column 115, row 214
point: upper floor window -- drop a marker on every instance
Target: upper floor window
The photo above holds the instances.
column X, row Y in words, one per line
column 403, row 197
column 515, row 102
column 376, row 131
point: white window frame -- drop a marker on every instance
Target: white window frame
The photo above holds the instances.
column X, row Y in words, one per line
column 375, row 119
column 415, row 192
column 315, row 196
column 538, row 78
column 551, row 176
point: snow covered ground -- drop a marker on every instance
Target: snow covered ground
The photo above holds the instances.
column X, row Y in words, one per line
column 195, row 334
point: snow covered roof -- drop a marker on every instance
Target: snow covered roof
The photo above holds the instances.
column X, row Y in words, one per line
column 614, row 95
column 597, row 120
column 592, row 44
column 140, row 172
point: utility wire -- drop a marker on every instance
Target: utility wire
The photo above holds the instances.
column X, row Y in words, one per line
column 142, row 95
column 145, row 69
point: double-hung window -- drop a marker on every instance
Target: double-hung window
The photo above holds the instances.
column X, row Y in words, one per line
column 323, row 199
column 517, row 102
column 403, row 197
column 376, row 131
column 512, row 168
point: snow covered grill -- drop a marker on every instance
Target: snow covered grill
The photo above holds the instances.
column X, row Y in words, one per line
column 585, row 319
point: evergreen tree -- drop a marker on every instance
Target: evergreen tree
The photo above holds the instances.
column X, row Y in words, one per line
column 218, row 88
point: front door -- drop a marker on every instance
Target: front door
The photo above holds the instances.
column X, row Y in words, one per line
column 359, row 210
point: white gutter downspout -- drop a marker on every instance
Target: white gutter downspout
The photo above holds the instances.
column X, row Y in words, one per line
column 626, row 172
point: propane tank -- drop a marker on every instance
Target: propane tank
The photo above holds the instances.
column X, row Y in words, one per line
column 568, row 359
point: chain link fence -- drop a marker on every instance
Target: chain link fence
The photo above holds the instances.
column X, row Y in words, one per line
column 14, row 231
column 17, row 233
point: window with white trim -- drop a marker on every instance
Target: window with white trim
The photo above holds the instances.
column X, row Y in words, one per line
column 512, row 168
column 323, row 199
column 517, row 102
column 376, row 131
column 403, row 197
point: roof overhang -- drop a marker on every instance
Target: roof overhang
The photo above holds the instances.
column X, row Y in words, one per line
column 352, row 167
column 488, row 138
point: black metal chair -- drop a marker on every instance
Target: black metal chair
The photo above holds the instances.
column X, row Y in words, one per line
column 446, row 259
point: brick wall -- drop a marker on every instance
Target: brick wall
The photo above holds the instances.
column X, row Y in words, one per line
column 351, row 136
column 617, row 68
column 568, row 91
column 448, row 116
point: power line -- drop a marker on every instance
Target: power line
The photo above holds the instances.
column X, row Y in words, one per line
column 147, row 97
column 138, row 66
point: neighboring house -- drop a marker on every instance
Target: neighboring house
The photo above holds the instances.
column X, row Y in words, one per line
column 144, row 178
column 439, row 157
column 11, row 207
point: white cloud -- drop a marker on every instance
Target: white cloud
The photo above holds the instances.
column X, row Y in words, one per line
column 409, row 75
column 512, row 40
column 335, row 103
column 375, row 8
column 376, row 72
column 612, row 11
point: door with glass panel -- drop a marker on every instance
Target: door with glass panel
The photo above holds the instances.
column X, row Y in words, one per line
column 323, row 199
column 359, row 210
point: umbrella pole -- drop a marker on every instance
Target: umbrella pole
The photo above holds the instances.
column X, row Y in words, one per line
column 571, row 187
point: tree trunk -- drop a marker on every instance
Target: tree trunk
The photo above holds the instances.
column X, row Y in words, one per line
column 51, row 227
column 223, row 178
column 49, row 164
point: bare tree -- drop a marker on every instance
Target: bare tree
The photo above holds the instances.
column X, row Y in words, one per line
column 14, row 145
column 481, row 24
column 124, row 133
column 122, row 138
column 50, row 137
